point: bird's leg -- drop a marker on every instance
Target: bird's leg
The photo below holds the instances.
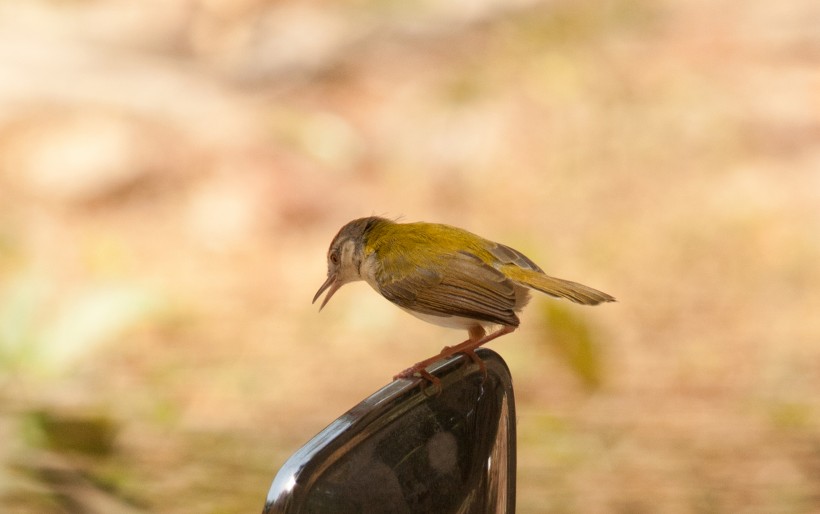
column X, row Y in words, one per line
column 476, row 333
column 468, row 347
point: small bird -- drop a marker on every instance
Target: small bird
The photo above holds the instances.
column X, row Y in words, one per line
column 443, row 275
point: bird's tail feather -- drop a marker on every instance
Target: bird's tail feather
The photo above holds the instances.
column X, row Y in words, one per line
column 558, row 287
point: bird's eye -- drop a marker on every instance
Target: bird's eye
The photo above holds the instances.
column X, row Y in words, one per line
column 334, row 258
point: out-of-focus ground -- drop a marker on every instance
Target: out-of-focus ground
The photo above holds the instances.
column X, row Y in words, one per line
column 171, row 173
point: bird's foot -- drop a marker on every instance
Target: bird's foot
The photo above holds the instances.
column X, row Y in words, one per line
column 418, row 371
column 468, row 347
column 477, row 360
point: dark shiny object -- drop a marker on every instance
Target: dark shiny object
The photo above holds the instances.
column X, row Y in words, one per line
column 404, row 450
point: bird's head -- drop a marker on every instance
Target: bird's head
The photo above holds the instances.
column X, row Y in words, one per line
column 344, row 257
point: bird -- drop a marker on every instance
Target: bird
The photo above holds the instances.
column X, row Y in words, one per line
column 444, row 275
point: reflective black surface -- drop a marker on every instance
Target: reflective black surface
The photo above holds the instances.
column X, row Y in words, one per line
column 403, row 450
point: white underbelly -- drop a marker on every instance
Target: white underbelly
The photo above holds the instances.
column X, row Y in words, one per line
column 448, row 321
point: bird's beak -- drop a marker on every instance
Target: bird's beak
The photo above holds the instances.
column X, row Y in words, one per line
column 329, row 283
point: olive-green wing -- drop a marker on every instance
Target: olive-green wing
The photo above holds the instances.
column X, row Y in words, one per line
column 457, row 284
column 506, row 255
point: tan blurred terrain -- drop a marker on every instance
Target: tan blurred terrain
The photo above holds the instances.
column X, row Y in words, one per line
column 171, row 173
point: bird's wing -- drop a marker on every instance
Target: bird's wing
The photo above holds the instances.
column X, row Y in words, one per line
column 457, row 284
column 506, row 255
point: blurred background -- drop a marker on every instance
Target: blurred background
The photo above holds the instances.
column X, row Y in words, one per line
column 172, row 172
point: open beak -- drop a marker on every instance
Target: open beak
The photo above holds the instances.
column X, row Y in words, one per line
column 329, row 283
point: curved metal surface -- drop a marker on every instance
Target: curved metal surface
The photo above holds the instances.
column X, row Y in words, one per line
column 404, row 451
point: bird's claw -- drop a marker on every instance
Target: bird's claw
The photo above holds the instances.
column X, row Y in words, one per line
column 421, row 373
column 477, row 360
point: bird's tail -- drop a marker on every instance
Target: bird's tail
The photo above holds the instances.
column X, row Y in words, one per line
column 573, row 291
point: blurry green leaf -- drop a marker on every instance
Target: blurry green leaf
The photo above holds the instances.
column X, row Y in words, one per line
column 90, row 434
column 19, row 305
column 790, row 414
column 37, row 334
column 571, row 339
column 95, row 316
